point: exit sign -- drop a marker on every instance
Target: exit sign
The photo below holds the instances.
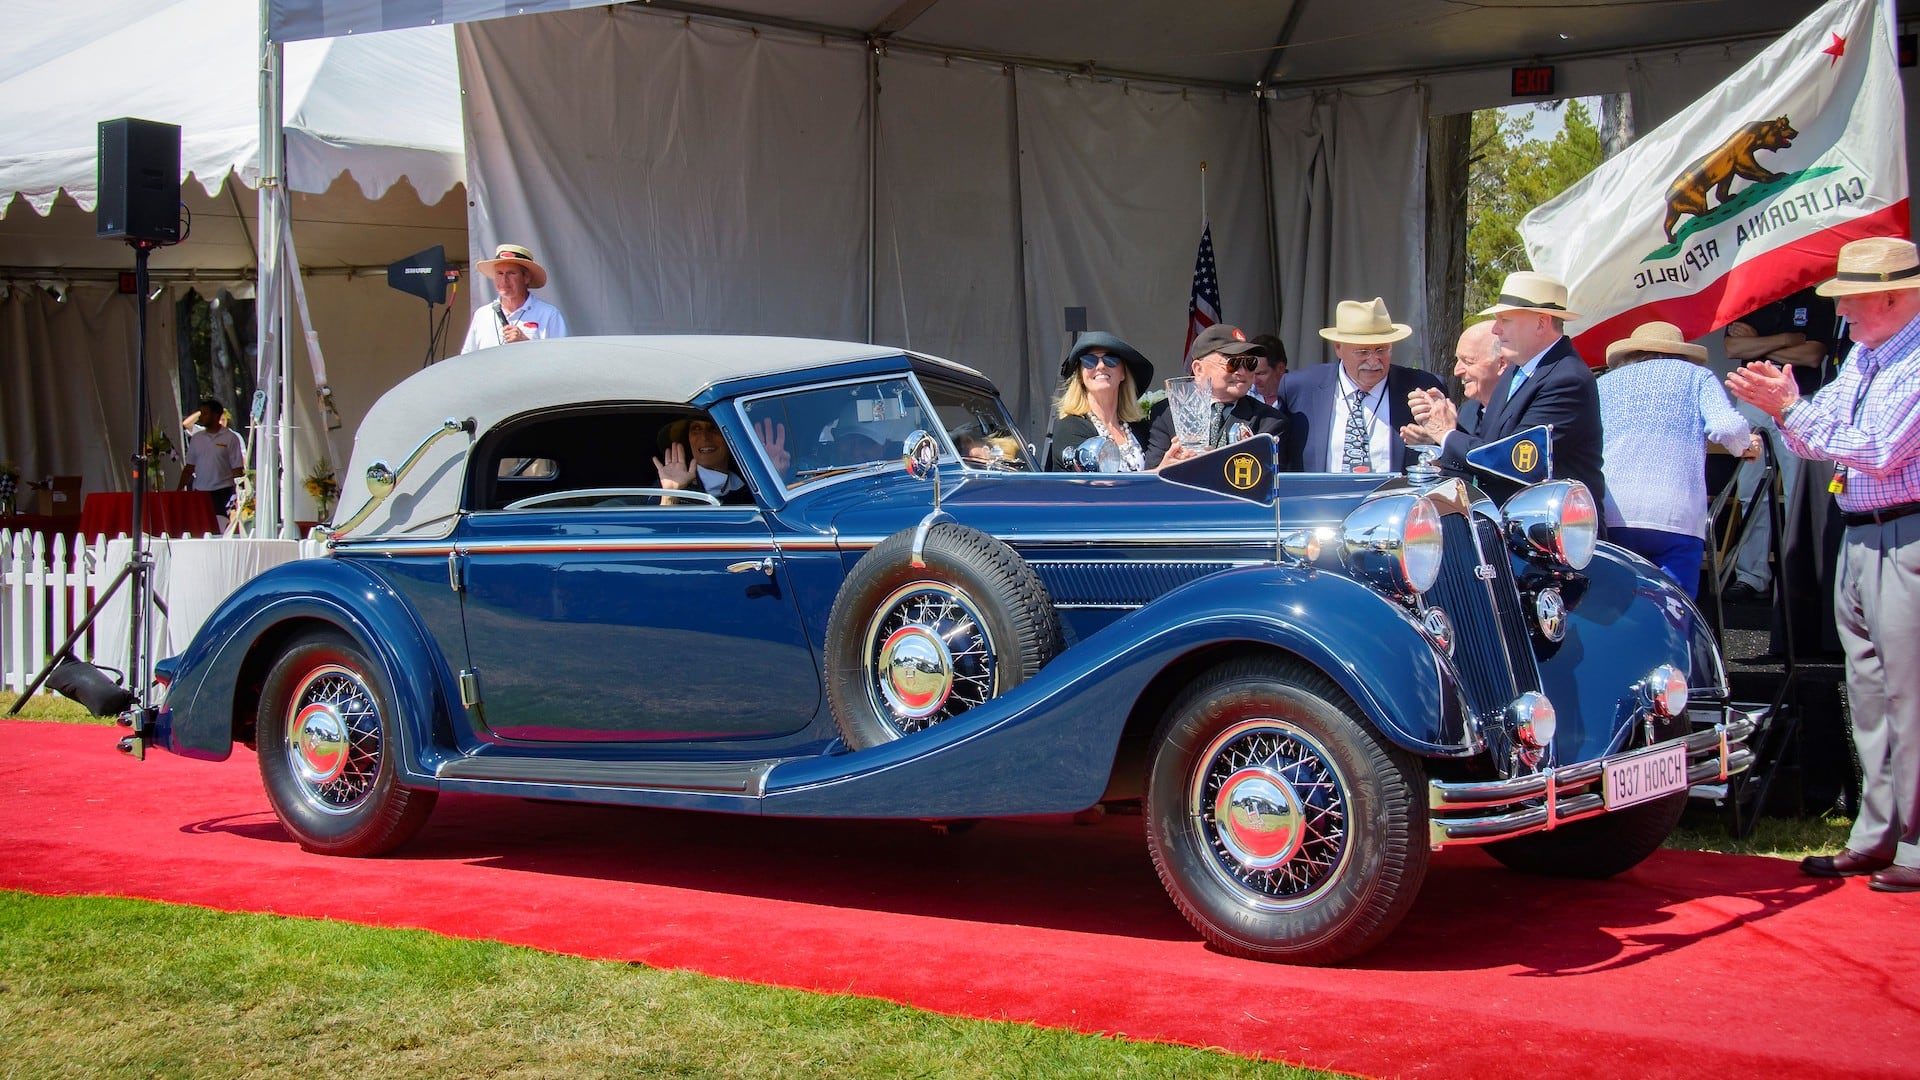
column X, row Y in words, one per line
column 1533, row 81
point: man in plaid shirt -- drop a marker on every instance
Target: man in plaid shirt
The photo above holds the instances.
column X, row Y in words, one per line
column 1867, row 422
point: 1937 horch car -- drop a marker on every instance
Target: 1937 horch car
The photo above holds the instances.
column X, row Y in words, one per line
column 1308, row 690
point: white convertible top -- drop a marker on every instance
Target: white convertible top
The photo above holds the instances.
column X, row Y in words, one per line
column 494, row 384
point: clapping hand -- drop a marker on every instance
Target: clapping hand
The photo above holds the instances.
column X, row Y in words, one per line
column 676, row 472
column 1764, row 386
column 1434, row 415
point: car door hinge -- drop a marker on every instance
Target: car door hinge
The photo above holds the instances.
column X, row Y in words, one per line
column 470, row 688
column 457, row 571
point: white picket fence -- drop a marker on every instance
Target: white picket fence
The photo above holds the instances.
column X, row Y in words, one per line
column 47, row 585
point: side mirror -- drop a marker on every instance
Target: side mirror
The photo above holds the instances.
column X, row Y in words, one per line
column 922, row 453
column 380, row 479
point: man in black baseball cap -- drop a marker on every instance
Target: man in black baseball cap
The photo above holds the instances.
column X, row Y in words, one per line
column 1222, row 358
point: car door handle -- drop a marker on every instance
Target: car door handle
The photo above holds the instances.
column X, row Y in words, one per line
column 764, row 565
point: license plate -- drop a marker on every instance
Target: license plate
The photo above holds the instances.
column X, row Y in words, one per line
column 1646, row 775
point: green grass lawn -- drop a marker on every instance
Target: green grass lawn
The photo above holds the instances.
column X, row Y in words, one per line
column 97, row 986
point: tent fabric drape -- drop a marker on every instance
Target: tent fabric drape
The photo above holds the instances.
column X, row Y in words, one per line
column 383, row 107
column 947, row 274
column 1368, row 240
column 1111, row 209
column 297, row 20
column 74, row 413
column 697, row 178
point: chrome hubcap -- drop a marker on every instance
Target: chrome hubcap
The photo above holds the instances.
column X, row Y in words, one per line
column 1271, row 808
column 333, row 743
column 928, row 657
column 1259, row 817
column 916, row 672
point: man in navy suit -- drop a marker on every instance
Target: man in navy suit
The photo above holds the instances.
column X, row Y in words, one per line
column 1346, row 417
column 1546, row 382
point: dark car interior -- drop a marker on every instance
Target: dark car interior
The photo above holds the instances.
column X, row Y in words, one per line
column 599, row 453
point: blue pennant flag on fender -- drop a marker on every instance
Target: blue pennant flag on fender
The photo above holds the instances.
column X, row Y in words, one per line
column 1524, row 457
column 1244, row 470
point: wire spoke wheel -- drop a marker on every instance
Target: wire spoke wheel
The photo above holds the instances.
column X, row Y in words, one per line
column 333, row 742
column 331, row 749
column 1282, row 824
column 929, row 656
column 1269, row 803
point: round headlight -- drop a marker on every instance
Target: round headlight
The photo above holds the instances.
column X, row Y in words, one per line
column 1420, row 546
column 1667, row 689
column 1394, row 542
column 1556, row 520
column 1534, row 720
column 1579, row 526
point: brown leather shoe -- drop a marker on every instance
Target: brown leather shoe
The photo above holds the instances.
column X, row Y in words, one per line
column 1845, row 864
column 1897, row 879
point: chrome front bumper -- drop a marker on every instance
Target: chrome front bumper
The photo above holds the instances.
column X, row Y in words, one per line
column 1480, row 812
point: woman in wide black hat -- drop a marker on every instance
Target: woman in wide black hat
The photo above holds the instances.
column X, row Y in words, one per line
column 1100, row 385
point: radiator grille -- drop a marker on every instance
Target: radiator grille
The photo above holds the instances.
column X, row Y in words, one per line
column 1488, row 624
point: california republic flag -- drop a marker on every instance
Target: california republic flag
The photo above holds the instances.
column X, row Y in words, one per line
column 1746, row 195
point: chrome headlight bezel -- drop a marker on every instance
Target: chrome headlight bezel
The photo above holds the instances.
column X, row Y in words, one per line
column 1394, row 542
column 1556, row 520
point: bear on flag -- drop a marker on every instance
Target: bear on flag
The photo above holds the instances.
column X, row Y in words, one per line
column 1744, row 197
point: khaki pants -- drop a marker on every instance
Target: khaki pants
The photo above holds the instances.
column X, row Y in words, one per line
column 1876, row 603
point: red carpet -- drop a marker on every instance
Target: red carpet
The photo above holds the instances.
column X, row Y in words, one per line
column 1691, row 964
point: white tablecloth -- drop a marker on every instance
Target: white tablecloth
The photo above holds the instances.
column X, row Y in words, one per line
column 191, row 577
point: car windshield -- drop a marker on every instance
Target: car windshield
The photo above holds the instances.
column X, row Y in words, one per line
column 977, row 425
column 810, row 435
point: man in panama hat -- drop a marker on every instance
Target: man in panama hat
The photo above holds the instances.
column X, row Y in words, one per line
column 517, row 315
column 1546, row 383
column 1347, row 416
column 1867, row 422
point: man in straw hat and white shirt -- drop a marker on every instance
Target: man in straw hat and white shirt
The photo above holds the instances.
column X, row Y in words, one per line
column 1867, row 422
column 1546, row 383
column 517, row 315
column 1659, row 407
column 1347, row 416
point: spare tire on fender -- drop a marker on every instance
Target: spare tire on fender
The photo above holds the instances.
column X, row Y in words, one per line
column 911, row 646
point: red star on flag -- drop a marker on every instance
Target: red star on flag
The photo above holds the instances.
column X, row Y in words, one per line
column 1836, row 50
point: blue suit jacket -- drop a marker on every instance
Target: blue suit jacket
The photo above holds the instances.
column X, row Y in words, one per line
column 1562, row 392
column 1307, row 397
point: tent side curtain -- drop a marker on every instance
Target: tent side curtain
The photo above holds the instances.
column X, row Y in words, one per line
column 714, row 179
column 301, row 20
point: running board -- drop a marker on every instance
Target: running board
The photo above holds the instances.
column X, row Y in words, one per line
column 720, row 777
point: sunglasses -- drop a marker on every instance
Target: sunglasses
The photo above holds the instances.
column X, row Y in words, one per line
column 1243, row 362
column 1090, row 361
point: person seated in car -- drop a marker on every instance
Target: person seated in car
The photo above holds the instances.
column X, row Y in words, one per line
column 697, row 459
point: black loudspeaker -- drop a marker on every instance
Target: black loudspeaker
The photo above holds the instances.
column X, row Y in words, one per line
column 139, row 181
column 422, row 274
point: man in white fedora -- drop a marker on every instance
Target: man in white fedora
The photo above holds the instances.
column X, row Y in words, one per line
column 1546, row 382
column 517, row 315
column 1347, row 416
column 1867, row 422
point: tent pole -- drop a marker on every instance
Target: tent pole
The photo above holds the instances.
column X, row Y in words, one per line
column 873, row 175
column 269, row 297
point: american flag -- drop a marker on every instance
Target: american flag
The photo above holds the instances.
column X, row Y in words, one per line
column 1203, row 309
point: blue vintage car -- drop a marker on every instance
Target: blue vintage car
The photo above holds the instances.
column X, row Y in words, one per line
column 1308, row 682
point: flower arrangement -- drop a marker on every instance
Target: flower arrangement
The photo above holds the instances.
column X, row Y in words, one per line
column 322, row 485
column 158, row 444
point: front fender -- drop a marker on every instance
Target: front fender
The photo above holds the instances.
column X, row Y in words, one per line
column 1630, row 619
column 209, row 693
column 1049, row 745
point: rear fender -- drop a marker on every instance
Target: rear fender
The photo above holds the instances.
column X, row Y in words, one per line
column 1049, row 745
column 215, row 689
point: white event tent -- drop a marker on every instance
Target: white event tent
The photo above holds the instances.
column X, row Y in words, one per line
column 374, row 170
